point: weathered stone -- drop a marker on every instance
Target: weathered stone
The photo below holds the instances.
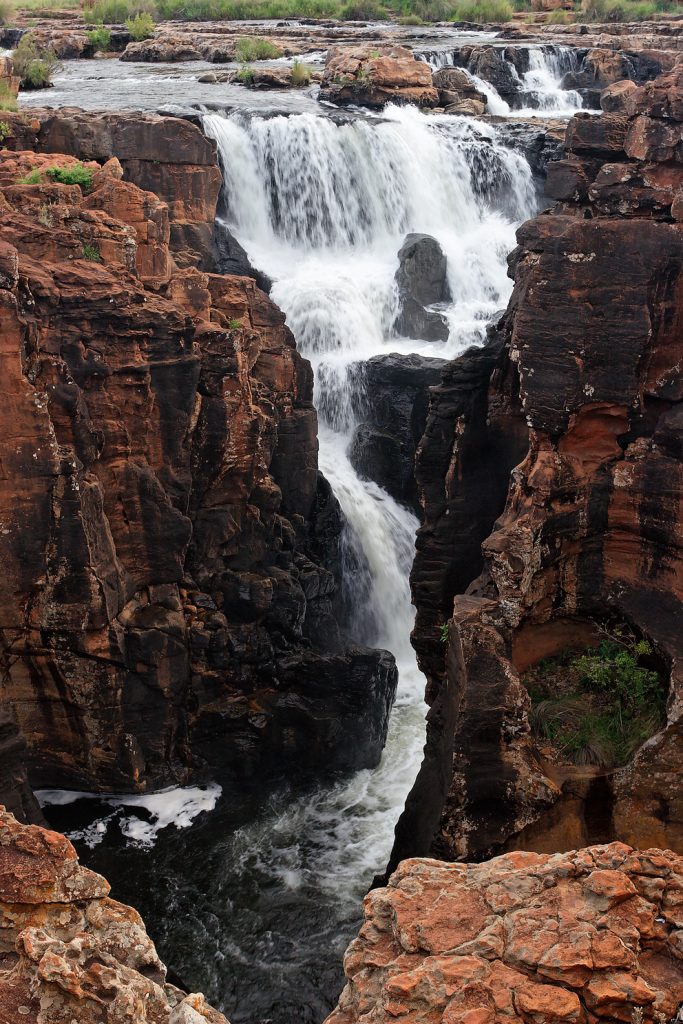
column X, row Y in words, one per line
column 67, row 951
column 536, row 938
column 586, row 395
column 160, row 468
column 372, row 78
column 421, row 281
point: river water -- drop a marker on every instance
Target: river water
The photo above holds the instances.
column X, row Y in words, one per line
column 255, row 904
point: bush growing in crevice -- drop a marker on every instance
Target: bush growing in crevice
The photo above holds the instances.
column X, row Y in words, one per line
column 598, row 707
column 301, row 73
column 8, row 100
column 140, row 27
column 34, row 63
column 100, row 39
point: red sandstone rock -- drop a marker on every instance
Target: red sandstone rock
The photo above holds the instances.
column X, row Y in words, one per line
column 168, row 548
column 69, row 952
column 371, row 77
column 575, row 937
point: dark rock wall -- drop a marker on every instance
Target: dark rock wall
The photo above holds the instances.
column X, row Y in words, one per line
column 588, row 385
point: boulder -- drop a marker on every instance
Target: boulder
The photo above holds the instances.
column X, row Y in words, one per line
column 365, row 76
column 587, row 935
column 161, row 50
column 421, row 281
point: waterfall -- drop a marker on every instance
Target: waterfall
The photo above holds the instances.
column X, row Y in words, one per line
column 323, row 207
column 540, row 87
column 542, row 83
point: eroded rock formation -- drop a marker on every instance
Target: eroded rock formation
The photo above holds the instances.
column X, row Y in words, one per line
column 586, row 936
column 68, row 952
column 169, row 548
column 584, row 401
column 373, row 77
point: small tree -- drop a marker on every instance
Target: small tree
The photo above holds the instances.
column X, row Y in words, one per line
column 34, row 63
column 141, row 26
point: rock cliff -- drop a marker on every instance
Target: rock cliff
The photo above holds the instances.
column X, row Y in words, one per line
column 561, row 440
column 170, row 551
column 586, row 936
column 68, row 952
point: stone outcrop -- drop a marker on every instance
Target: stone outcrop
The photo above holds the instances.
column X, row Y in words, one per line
column 457, row 94
column 168, row 156
column 68, row 952
column 421, row 281
column 393, row 414
column 169, row 549
column 591, row 935
column 583, row 400
column 372, row 77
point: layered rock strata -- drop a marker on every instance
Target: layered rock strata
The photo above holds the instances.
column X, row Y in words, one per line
column 587, row 936
column 584, row 401
column 68, row 952
column 370, row 77
column 168, row 156
column 170, row 550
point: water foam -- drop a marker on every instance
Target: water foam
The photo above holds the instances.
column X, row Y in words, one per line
column 177, row 806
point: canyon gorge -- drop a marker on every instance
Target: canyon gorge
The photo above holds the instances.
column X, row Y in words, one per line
column 340, row 519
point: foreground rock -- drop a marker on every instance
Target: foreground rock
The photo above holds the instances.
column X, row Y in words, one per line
column 70, row 953
column 369, row 77
column 573, row 428
column 585, row 936
column 170, row 552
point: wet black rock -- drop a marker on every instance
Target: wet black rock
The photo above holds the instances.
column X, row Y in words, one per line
column 421, row 281
column 394, row 411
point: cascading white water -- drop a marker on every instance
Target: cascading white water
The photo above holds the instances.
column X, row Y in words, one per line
column 323, row 209
column 543, row 81
column 540, row 87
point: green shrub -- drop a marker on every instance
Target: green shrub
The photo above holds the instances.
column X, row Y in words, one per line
column 35, row 64
column 75, row 175
column 32, row 178
column 410, row 19
column 597, row 708
column 623, row 10
column 140, row 27
column 443, row 632
column 234, row 324
column 245, row 75
column 363, row 10
column 6, row 11
column 91, row 252
column 254, row 48
column 5, row 132
column 558, row 17
column 301, row 73
column 483, row 11
column 8, row 101
column 100, row 39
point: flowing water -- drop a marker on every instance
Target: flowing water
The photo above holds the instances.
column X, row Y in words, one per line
column 255, row 905
column 540, row 87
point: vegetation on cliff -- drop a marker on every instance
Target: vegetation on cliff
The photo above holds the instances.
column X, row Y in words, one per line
column 597, row 707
